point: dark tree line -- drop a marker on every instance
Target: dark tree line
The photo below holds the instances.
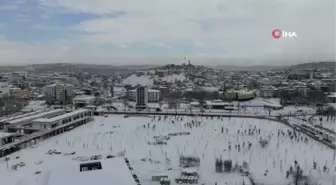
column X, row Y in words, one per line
column 312, row 97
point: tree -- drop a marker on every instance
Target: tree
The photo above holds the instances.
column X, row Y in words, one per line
column 160, row 104
column 215, row 95
column 315, row 97
column 97, row 94
column 125, row 104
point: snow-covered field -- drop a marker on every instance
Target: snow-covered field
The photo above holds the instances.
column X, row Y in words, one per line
column 326, row 123
column 209, row 140
column 261, row 111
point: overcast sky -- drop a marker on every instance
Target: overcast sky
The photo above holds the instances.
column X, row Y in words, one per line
column 234, row 32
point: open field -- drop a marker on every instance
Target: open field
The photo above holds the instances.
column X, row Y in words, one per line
column 209, row 139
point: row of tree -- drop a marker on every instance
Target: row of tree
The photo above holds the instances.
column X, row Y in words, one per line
column 9, row 104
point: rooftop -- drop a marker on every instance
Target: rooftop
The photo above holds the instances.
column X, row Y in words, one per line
column 20, row 116
column 153, row 90
column 62, row 116
column 5, row 134
column 114, row 171
column 84, row 97
column 36, row 116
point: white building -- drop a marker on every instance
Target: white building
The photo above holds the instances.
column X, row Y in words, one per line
column 28, row 119
column 58, row 92
column 68, row 118
column 153, row 95
column 83, row 101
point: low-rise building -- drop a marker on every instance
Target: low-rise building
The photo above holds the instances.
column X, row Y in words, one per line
column 83, row 101
column 28, row 119
column 82, row 115
column 6, row 138
column 101, row 172
column 154, row 95
column 269, row 92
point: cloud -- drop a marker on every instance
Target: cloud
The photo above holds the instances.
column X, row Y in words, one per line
column 7, row 7
column 217, row 30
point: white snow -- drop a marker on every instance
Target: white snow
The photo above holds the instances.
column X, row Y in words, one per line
column 134, row 80
column 35, row 105
column 173, row 78
column 114, row 134
column 114, row 171
column 5, row 134
column 326, row 123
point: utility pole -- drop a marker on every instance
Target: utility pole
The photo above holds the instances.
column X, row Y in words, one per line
column 7, row 159
column 297, row 176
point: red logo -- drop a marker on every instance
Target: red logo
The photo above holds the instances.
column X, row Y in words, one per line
column 277, row 33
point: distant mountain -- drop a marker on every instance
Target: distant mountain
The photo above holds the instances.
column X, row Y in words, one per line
column 66, row 67
column 248, row 68
column 316, row 65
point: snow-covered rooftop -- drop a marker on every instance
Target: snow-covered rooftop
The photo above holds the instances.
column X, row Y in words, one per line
column 20, row 116
column 36, row 116
column 153, row 90
column 174, row 77
column 5, row 134
column 84, row 98
column 114, row 171
column 134, row 80
column 218, row 103
column 60, row 117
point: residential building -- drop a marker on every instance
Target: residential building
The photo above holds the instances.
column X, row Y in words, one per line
column 59, row 93
column 141, row 97
column 112, row 91
column 83, row 101
column 269, row 92
column 154, row 95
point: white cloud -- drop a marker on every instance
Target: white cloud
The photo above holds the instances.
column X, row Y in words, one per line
column 223, row 29
column 8, row 7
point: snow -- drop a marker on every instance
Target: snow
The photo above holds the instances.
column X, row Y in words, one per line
column 114, row 134
column 134, row 80
column 173, row 78
column 4, row 134
column 35, row 105
column 60, row 117
column 210, row 89
column 36, row 116
column 113, row 171
column 84, row 98
column 326, row 123
column 272, row 103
